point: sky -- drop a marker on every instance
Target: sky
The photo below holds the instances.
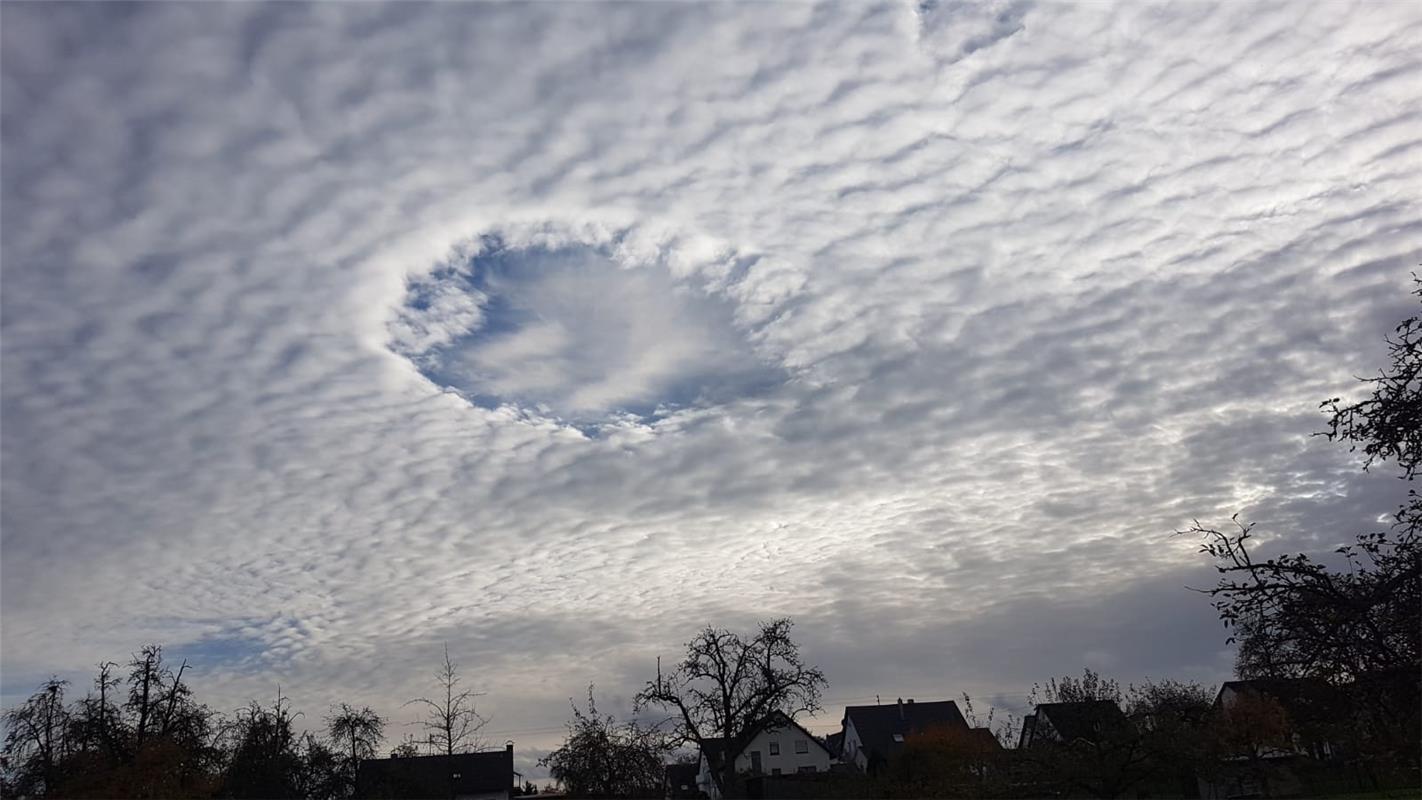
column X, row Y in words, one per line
column 333, row 334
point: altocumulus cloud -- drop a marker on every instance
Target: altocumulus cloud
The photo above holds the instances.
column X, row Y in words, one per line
column 922, row 323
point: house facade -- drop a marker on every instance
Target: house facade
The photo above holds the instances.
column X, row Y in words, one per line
column 782, row 747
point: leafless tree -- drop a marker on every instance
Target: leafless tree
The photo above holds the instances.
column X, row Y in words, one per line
column 728, row 687
column 155, row 693
column 452, row 722
column 36, row 739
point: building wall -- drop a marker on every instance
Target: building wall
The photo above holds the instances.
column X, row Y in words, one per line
column 787, row 761
column 853, row 752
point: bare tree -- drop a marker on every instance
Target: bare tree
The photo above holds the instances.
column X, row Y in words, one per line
column 155, row 694
column 407, row 748
column 452, row 721
column 36, row 740
column 358, row 731
column 728, row 687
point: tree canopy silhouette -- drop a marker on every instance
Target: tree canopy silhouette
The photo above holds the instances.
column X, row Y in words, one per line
column 604, row 758
column 1359, row 622
column 728, row 687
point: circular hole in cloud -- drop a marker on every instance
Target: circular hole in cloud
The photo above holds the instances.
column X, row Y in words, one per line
column 575, row 331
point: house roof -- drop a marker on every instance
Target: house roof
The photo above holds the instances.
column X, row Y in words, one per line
column 985, row 738
column 431, row 776
column 1029, row 729
column 834, row 743
column 1085, row 719
column 1305, row 700
column 878, row 726
column 712, row 749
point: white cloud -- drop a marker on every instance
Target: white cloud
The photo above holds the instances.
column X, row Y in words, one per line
column 1042, row 282
column 582, row 327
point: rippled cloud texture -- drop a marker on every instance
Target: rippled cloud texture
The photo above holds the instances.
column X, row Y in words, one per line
column 1036, row 283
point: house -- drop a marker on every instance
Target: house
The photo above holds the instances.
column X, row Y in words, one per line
column 1282, row 736
column 985, row 740
column 1309, row 709
column 681, row 781
column 873, row 735
column 463, row 776
column 1064, row 723
column 782, row 747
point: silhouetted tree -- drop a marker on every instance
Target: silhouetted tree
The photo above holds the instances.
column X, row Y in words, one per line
column 1358, row 624
column 159, row 743
column 452, row 722
column 604, row 758
column 407, row 748
column 728, row 686
column 1295, row 617
column 357, row 732
column 266, row 759
column 1388, row 425
column 1092, row 685
column 1172, row 720
column 321, row 775
column 37, row 740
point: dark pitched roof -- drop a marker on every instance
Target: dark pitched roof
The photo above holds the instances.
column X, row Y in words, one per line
column 985, row 738
column 1029, row 729
column 834, row 743
column 878, row 725
column 430, row 776
column 1305, row 700
column 1086, row 719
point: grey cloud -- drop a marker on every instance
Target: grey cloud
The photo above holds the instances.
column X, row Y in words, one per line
column 1044, row 282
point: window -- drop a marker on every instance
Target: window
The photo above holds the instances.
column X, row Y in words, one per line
column 775, row 770
column 802, row 745
column 898, row 737
column 805, row 769
column 775, row 748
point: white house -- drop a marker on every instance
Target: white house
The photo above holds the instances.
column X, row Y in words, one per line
column 781, row 748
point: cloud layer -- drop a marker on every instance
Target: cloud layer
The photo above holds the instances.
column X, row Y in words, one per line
column 1038, row 284
column 580, row 329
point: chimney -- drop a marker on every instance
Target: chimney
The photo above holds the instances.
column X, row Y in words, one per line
column 901, row 708
column 910, row 701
